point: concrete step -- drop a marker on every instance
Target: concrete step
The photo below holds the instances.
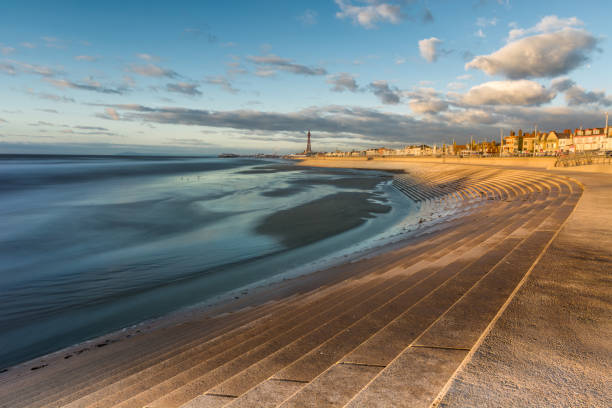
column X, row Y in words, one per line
column 191, row 382
column 125, row 386
column 81, row 371
column 313, row 363
column 236, row 385
column 448, row 340
column 365, row 358
column 362, row 320
column 381, row 348
column 153, row 357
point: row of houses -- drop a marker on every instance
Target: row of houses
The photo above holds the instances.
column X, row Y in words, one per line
column 480, row 148
column 534, row 143
column 412, row 150
column 554, row 142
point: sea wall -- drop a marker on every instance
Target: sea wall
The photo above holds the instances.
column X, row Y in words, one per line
column 400, row 163
column 525, row 162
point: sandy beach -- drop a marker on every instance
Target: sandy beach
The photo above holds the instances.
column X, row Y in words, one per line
column 506, row 303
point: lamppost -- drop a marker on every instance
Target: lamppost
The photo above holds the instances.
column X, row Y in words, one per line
column 535, row 135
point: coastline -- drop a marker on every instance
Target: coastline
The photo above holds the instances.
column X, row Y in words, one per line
column 163, row 244
column 390, row 260
column 271, row 289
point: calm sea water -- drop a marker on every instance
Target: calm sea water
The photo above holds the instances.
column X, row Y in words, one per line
column 91, row 244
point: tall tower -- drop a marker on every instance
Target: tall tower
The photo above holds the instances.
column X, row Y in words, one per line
column 308, row 148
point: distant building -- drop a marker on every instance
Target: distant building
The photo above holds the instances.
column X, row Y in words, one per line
column 529, row 142
column 511, row 144
column 549, row 142
column 592, row 139
column 566, row 141
column 308, row 147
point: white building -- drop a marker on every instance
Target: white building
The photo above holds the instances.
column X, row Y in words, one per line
column 592, row 139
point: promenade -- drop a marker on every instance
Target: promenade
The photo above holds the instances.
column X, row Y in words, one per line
column 509, row 304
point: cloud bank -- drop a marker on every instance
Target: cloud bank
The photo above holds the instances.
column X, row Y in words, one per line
column 521, row 92
column 543, row 55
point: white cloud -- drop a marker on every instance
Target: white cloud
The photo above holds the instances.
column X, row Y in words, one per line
column 52, row 42
column 387, row 95
column 308, row 17
column 273, row 62
column 28, row 45
column 369, row 15
column 223, row 83
column 88, row 85
column 111, row 113
column 428, row 106
column 576, row 95
column 184, row 88
column 455, row 86
column 548, row 24
column 485, row 22
column 428, row 48
column 49, row 96
column 8, row 69
column 236, row 68
column 128, row 81
column 542, row 55
column 470, row 117
column 6, row 50
column 521, row 92
column 342, row 82
column 426, row 101
column 151, row 70
column 89, row 58
column 147, row 57
column 265, row 73
column 13, row 67
column 480, row 33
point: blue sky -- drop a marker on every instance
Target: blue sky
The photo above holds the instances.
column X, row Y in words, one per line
column 206, row 77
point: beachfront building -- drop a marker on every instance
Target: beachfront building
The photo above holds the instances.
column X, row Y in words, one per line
column 418, row 150
column 549, row 142
column 459, row 149
column 566, row 142
column 592, row 139
column 529, row 143
column 489, row 148
column 511, row 145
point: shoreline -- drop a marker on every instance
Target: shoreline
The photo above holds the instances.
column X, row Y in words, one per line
column 272, row 289
column 509, row 191
column 201, row 284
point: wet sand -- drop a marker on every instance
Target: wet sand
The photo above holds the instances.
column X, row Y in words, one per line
column 318, row 219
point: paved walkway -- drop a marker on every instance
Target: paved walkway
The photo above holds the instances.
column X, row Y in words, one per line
column 552, row 347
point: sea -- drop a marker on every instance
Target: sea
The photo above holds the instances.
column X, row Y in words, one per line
column 93, row 244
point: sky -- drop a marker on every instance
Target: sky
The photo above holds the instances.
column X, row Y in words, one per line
column 194, row 77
